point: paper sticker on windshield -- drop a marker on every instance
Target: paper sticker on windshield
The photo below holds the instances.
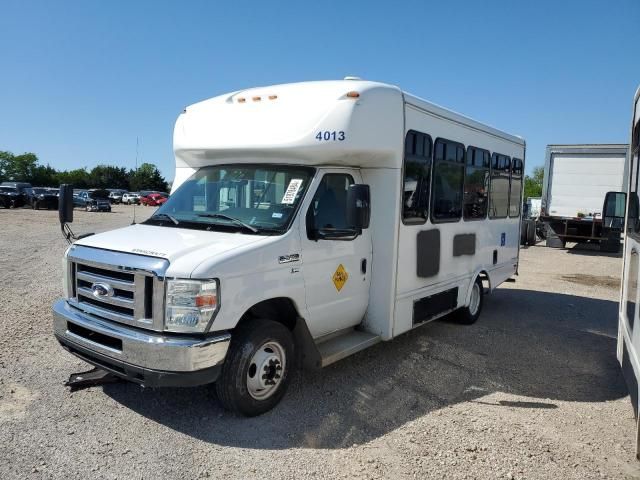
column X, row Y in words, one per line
column 292, row 190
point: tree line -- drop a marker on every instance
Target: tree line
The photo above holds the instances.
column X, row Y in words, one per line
column 27, row 168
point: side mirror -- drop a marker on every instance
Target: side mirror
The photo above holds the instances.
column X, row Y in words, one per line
column 358, row 206
column 613, row 210
column 65, row 203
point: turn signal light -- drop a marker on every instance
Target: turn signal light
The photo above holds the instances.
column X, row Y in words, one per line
column 206, row 301
column 353, row 94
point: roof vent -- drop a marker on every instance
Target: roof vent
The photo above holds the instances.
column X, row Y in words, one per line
column 349, row 77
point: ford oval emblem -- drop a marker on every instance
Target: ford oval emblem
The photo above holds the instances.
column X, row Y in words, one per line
column 102, row 290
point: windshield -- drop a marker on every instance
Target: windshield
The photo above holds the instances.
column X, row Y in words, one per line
column 251, row 198
column 98, row 194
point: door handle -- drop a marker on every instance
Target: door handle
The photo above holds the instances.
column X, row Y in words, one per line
column 363, row 266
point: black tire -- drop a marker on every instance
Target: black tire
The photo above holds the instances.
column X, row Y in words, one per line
column 531, row 233
column 232, row 385
column 524, row 228
column 465, row 315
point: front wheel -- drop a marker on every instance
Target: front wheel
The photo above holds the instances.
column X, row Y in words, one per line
column 256, row 372
column 469, row 314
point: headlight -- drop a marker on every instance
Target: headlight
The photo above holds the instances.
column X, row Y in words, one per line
column 191, row 304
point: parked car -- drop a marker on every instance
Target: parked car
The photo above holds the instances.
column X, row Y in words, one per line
column 131, row 197
column 16, row 194
column 43, row 198
column 93, row 200
column 11, row 197
column 154, row 199
column 115, row 195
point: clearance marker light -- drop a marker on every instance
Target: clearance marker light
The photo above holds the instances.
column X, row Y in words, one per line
column 241, row 100
column 353, row 94
column 273, row 97
column 257, row 99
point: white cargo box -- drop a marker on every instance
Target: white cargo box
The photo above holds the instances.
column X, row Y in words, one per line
column 577, row 178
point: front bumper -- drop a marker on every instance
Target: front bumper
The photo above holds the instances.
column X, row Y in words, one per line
column 148, row 358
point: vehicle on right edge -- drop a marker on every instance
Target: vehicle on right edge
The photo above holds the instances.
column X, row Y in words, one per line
column 628, row 347
column 306, row 223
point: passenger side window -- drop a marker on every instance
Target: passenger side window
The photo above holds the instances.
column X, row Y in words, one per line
column 417, row 177
column 476, row 183
column 499, row 189
column 448, row 178
column 516, row 187
column 328, row 209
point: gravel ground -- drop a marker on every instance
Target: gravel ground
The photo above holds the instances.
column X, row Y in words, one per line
column 533, row 390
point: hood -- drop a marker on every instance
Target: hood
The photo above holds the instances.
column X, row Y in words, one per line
column 184, row 248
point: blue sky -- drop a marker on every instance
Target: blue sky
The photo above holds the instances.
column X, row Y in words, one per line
column 81, row 80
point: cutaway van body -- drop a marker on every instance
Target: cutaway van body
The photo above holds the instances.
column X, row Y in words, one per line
column 306, row 222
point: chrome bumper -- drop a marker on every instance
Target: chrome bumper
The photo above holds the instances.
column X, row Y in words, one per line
column 133, row 347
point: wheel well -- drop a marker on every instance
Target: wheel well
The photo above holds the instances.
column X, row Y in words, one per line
column 280, row 310
column 486, row 282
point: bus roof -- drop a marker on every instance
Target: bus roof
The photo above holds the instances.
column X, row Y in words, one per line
column 340, row 122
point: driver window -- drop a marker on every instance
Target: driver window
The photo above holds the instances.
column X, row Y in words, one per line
column 328, row 209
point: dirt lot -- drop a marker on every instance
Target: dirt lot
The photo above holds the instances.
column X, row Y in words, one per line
column 533, row 390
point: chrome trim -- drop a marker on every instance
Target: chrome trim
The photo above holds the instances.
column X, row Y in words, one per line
column 140, row 267
column 115, row 283
column 101, row 312
column 142, row 349
column 118, row 261
column 115, row 300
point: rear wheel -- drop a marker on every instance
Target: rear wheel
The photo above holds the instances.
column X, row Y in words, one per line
column 469, row 314
column 531, row 232
column 256, row 372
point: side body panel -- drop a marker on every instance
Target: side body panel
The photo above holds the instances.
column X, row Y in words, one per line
column 453, row 270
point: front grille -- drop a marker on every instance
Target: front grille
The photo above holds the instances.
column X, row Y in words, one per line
column 131, row 294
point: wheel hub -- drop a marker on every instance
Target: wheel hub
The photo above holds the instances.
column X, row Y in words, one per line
column 265, row 370
column 474, row 302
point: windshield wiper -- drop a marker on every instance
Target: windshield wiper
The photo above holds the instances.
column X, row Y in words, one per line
column 165, row 215
column 231, row 219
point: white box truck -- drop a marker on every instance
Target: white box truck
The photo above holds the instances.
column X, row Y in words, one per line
column 307, row 221
column 576, row 180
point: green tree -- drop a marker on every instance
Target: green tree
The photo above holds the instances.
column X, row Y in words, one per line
column 79, row 178
column 108, row 176
column 533, row 183
column 147, row 177
column 19, row 168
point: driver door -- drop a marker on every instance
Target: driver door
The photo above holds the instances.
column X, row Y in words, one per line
column 336, row 271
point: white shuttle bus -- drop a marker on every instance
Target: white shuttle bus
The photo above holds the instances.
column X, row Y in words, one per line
column 628, row 316
column 307, row 222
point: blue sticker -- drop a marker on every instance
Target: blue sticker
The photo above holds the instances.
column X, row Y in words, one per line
column 503, row 239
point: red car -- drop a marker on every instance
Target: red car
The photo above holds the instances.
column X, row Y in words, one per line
column 153, row 199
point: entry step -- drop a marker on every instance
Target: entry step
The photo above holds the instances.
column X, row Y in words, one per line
column 344, row 345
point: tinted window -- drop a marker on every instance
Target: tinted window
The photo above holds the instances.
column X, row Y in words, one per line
column 448, row 178
column 476, row 183
column 632, row 288
column 328, row 209
column 499, row 188
column 417, row 169
column 516, row 187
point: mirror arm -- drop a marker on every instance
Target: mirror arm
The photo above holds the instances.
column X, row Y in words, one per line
column 68, row 234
